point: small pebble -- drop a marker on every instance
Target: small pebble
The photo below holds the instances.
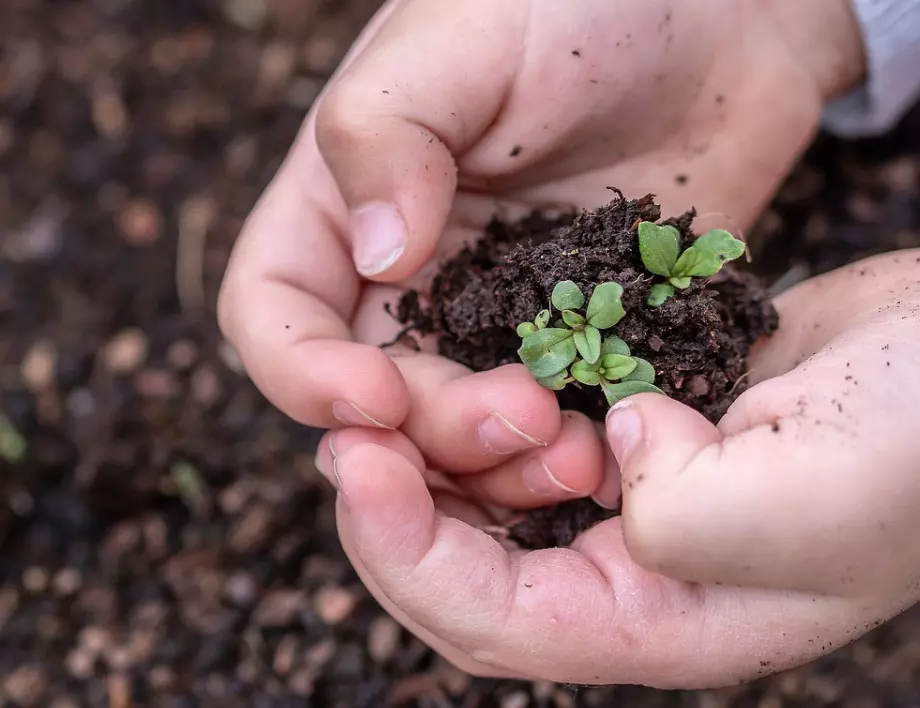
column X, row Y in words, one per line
column 334, row 603
column 157, row 385
column 125, row 352
column 285, row 655
column 518, row 699
column 279, row 608
column 241, row 589
column 80, row 663
column 35, row 580
column 25, row 685
column 38, row 366
column 383, row 639
column 140, row 223
column 161, row 678
column 67, row 581
column 182, row 354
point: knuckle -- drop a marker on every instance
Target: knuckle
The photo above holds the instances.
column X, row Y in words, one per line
column 340, row 117
column 647, row 531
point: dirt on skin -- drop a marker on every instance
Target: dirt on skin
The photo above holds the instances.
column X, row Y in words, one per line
column 698, row 341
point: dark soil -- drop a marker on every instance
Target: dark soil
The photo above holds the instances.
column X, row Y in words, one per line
column 698, row 341
column 117, row 590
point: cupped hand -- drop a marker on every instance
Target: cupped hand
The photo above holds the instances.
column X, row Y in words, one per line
column 783, row 533
column 446, row 113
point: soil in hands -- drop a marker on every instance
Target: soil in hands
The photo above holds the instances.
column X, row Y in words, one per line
column 698, row 341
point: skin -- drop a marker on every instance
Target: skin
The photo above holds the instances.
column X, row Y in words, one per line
column 743, row 548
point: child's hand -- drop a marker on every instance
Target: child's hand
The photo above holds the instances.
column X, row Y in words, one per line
column 745, row 549
column 448, row 111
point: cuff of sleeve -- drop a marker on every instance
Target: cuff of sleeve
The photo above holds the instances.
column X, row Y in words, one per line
column 891, row 35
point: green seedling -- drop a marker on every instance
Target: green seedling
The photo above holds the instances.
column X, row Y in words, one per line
column 617, row 372
column 659, row 247
column 549, row 351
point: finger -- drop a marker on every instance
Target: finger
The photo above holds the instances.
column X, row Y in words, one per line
column 461, row 421
column 390, row 128
column 288, row 293
column 801, row 477
column 571, row 467
column 465, row 422
column 586, row 616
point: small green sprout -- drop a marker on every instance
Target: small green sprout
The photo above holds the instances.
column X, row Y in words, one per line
column 617, row 372
column 659, row 247
column 539, row 322
column 13, row 446
column 548, row 351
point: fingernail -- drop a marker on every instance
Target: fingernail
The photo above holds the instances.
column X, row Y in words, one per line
column 348, row 413
column 540, row 480
column 500, row 437
column 378, row 237
column 325, row 459
column 624, row 430
column 340, row 488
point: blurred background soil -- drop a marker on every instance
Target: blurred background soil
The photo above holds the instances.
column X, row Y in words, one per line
column 164, row 538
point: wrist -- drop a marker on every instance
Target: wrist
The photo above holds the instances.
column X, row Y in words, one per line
column 826, row 39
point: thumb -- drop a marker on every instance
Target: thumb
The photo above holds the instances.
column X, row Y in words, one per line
column 391, row 125
column 783, row 503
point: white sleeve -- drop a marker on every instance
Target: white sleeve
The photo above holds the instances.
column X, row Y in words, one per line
column 891, row 35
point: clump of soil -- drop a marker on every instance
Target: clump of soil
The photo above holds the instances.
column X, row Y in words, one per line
column 697, row 341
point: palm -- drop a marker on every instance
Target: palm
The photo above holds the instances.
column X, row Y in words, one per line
column 664, row 104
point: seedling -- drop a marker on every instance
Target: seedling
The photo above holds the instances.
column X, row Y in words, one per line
column 617, row 372
column 548, row 351
column 659, row 247
column 606, row 362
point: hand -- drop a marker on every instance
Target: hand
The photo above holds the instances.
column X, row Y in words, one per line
column 421, row 138
column 747, row 548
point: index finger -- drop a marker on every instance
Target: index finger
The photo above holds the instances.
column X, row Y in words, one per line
column 290, row 291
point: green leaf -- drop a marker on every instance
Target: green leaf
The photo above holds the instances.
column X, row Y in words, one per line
column 573, row 319
column 542, row 319
column 719, row 245
column 588, row 343
column 556, row 382
column 585, row 373
column 614, row 345
column 616, row 366
column 689, row 262
column 526, row 328
column 708, row 254
column 567, row 296
column 13, row 446
column 660, row 294
column 548, row 351
column 616, row 392
column 606, row 307
column 643, row 372
column 680, row 283
column 659, row 247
